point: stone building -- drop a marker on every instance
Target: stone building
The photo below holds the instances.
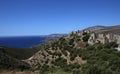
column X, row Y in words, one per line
column 104, row 38
column 92, row 39
column 118, row 41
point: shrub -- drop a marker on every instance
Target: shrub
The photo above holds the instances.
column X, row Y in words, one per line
column 85, row 37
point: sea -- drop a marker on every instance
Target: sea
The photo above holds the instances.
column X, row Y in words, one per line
column 21, row 41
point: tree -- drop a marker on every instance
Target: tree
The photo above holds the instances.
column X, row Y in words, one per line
column 85, row 37
column 110, row 45
column 94, row 70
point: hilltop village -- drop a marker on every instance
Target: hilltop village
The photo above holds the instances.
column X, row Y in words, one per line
column 98, row 37
column 104, row 38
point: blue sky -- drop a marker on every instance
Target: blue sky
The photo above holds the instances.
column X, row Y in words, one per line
column 41, row 17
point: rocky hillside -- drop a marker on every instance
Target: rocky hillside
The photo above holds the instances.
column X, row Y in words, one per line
column 58, row 49
column 73, row 54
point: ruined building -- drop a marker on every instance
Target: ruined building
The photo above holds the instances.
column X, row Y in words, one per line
column 104, row 38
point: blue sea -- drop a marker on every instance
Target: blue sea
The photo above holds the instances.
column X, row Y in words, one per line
column 21, row 42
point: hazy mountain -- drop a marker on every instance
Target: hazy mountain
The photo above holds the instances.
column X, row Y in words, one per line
column 51, row 37
column 105, row 29
column 55, row 35
column 110, row 29
column 95, row 28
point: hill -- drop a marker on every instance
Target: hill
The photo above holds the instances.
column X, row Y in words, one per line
column 9, row 63
column 96, row 28
column 110, row 29
column 19, row 53
column 73, row 54
column 11, row 59
column 104, row 29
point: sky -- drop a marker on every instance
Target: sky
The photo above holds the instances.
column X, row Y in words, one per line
column 42, row 17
